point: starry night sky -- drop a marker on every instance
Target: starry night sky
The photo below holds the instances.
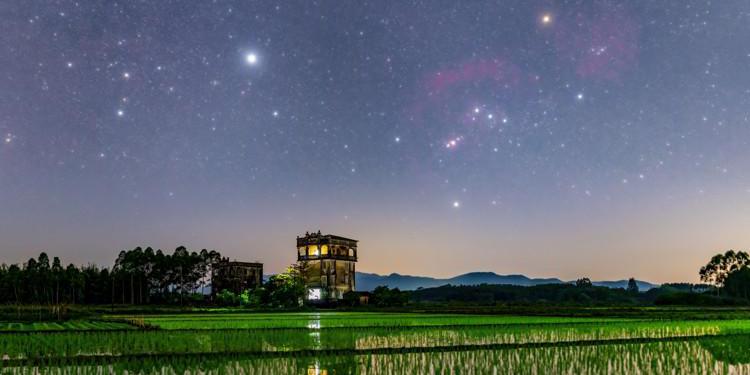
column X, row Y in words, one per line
column 557, row 138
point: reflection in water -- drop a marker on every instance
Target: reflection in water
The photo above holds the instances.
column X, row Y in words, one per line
column 314, row 322
column 314, row 326
column 134, row 343
column 726, row 355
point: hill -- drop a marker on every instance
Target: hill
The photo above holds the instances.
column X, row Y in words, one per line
column 368, row 281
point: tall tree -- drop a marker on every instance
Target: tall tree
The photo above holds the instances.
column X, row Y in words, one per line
column 632, row 286
column 721, row 265
column 56, row 272
column 737, row 283
column 583, row 282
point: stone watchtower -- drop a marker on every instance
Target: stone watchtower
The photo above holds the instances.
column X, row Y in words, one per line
column 328, row 262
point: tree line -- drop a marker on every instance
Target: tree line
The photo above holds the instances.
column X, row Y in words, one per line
column 138, row 276
column 729, row 273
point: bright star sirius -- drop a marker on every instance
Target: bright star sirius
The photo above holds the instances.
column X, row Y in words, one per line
column 251, row 58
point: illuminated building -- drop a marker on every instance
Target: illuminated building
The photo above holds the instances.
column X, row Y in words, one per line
column 328, row 262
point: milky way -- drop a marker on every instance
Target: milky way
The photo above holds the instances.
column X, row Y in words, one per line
column 556, row 138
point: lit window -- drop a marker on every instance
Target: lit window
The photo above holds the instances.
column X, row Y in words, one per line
column 313, row 294
column 351, row 252
column 313, row 250
column 301, row 251
column 324, row 250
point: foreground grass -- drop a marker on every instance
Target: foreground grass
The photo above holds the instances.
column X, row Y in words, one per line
column 65, row 344
column 377, row 342
column 704, row 356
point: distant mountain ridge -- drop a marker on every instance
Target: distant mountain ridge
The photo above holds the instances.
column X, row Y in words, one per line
column 369, row 281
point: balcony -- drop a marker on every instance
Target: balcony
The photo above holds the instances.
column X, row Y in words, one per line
column 305, row 258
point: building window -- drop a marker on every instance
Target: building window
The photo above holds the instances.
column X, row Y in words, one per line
column 313, row 294
column 351, row 252
column 324, row 250
column 313, row 251
column 301, row 251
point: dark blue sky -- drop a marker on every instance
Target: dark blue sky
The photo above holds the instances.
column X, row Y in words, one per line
column 556, row 138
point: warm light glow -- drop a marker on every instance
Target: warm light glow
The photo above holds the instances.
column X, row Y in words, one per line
column 312, row 250
column 324, row 250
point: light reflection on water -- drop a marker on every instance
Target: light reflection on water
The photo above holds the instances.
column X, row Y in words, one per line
column 725, row 355
column 314, row 326
column 314, row 322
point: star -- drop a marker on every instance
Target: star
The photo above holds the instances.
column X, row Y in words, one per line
column 456, row 204
column 546, row 19
column 126, row 75
column 275, row 113
column 579, row 96
column 120, row 113
column 397, row 139
column 9, row 138
column 251, row 58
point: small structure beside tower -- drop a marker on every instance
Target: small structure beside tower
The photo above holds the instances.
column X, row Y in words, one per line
column 236, row 277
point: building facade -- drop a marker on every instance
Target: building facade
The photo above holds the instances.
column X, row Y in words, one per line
column 236, row 276
column 328, row 262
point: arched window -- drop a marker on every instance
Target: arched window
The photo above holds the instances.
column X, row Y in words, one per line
column 312, row 250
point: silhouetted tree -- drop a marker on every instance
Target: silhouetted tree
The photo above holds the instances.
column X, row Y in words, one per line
column 137, row 277
column 632, row 286
column 737, row 283
column 584, row 282
column 721, row 265
column 386, row 297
